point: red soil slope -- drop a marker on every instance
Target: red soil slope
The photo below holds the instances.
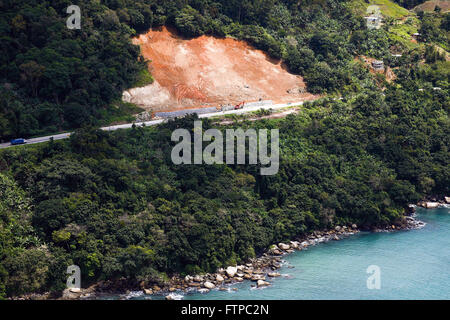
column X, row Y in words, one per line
column 207, row 71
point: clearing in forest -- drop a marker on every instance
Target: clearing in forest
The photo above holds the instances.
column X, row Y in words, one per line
column 209, row 71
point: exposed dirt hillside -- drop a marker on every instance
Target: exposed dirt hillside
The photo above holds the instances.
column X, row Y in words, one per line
column 207, row 71
column 429, row 6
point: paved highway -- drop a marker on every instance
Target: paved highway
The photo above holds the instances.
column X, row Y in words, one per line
column 156, row 122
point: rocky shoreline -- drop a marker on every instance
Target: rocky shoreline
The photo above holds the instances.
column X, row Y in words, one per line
column 434, row 202
column 258, row 270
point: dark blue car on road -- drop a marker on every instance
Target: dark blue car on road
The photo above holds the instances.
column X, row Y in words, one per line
column 18, row 141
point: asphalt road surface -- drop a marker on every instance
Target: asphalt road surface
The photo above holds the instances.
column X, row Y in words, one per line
column 156, row 122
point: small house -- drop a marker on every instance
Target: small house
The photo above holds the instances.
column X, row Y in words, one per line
column 378, row 65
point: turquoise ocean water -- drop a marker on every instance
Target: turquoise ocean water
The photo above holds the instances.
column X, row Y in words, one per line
column 413, row 264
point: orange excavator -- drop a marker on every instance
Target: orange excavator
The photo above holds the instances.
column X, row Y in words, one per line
column 239, row 106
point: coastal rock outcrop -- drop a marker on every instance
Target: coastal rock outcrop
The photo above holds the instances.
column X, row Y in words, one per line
column 219, row 278
column 209, row 285
column 148, row 291
column 231, row 271
column 431, row 205
column 258, row 277
column 295, row 244
column 198, row 278
column 69, row 295
column 274, row 274
column 262, row 283
column 258, row 269
column 283, row 246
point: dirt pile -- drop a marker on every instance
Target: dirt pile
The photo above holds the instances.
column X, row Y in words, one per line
column 207, row 71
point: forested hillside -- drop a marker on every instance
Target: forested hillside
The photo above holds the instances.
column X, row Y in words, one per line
column 114, row 204
column 55, row 79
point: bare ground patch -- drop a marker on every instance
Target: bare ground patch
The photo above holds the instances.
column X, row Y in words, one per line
column 208, row 71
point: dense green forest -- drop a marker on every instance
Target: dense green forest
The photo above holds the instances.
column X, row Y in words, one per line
column 55, row 79
column 115, row 204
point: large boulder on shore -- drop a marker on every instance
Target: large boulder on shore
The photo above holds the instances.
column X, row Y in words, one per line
column 148, row 291
column 231, row 271
column 283, row 246
column 295, row 244
column 431, row 205
column 68, row 294
column 219, row 278
column 209, row 285
column 258, row 277
column 198, row 278
column 262, row 283
column 447, row 199
column 274, row 274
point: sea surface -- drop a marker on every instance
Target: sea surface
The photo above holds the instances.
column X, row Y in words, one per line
column 412, row 264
